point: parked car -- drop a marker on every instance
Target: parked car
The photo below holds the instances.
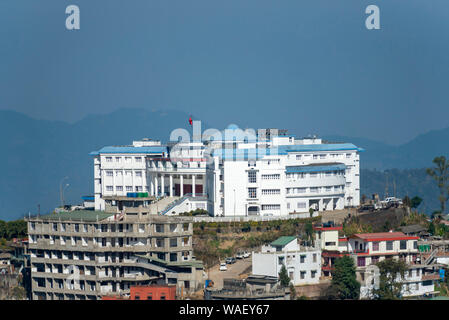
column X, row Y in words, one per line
column 239, row 255
column 246, row 254
column 223, row 266
column 230, row 260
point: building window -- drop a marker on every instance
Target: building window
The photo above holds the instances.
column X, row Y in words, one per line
column 301, row 205
column 302, row 258
column 139, row 188
column 118, row 159
column 415, row 244
column 375, row 246
column 252, row 193
column 109, row 188
column 109, row 173
column 314, row 258
column 314, row 190
column 389, row 245
column 129, row 188
column 360, row 261
column 252, row 176
column 271, row 207
column 138, row 159
column 403, row 245
column 271, row 176
column 138, row 173
column 302, row 274
column 271, row 191
column 108, row 159
column 119, row 188
column 298, row 157
column 313, row 273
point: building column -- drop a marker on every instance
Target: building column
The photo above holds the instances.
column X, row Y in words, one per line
column 150, row 178
column 171, row 185
column 162, row 185
column 181, row 187
column 193, row 185
column 156, row 184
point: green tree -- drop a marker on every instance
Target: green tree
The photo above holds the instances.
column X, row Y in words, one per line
column 344, row 283
column 3, row 229
column 283, row 277
column 390, row 281
column 311, row 211
column 309, row 231
column 415, row 202
column 440, row 173
column 292, row 292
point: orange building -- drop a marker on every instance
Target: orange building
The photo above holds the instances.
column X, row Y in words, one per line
column 150, row 292
column 153, row 292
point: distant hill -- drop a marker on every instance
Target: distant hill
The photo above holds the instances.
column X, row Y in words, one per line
column 417, row 153
column 37, row 154
column 400, row 183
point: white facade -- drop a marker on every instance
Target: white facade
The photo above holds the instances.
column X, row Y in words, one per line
column 261, row 175
column 303, row 264
column 283, row 179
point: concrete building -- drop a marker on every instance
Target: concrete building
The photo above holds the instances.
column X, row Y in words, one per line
column 303, row 264
column 367, row 249
column 231, row 173
column 88, row 254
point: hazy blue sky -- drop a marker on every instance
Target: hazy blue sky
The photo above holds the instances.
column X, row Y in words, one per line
column 307, row 65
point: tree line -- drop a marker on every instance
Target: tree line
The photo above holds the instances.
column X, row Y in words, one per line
column 13, row 229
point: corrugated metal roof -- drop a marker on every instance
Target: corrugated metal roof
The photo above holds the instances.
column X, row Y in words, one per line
column 282, row 241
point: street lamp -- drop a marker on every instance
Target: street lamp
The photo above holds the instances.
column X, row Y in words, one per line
column 61, row 190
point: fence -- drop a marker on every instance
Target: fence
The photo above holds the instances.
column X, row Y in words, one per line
column 303, row 215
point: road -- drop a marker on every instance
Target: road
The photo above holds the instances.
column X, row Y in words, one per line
column 234, row 270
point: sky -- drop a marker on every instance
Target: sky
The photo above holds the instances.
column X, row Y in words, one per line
column 308, row 66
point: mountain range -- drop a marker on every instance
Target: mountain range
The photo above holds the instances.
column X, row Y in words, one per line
column 37, row 154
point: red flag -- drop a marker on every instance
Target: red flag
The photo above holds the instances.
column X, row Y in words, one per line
column 190, row 120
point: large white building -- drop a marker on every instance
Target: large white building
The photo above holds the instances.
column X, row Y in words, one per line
column 233, row 173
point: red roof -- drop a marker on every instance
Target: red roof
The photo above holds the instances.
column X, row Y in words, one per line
column 383, row 236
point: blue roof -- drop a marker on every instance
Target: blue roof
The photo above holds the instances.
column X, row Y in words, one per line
column 316, row 168
column 147, row 150
column 281, row 150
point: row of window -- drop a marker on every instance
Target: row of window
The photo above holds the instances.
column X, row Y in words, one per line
column 119, row 173
column 302, row 175
column 76, row 227
column 323, row 156
column 127, row 159
column 128, row 188
column 338, row 188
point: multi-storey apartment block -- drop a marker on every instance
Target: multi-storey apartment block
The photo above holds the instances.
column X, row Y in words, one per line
column 89, row 254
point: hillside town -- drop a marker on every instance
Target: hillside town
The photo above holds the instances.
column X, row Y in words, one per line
column 230, row 215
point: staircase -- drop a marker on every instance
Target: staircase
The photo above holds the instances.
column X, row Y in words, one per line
column 431, row 257
column 179, row 201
